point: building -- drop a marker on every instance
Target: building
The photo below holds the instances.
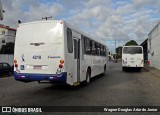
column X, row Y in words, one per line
column 144, row 44
column 154, row 47
column 7, row 40
column 7, row 35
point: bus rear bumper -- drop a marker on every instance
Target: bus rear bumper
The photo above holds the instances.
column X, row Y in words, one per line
column 52, row 78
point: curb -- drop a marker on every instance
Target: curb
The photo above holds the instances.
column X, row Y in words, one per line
column 147, row 68
column 152, row 70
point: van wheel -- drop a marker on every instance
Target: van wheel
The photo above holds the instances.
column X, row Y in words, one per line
column 88, row 77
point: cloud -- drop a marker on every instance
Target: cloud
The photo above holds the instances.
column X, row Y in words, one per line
column 141, row 3
column 103, row 19
column 112, row 29
column 93, row 3
column 28, row 10
column 43, row 10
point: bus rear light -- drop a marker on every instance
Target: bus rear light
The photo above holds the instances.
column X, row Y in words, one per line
column 60, row 66
column 16, row 65
column 62, row 61
column 15, row 61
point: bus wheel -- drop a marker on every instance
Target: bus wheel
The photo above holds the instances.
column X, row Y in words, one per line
column 104, row 72
column 88, row 77
column 123, row 69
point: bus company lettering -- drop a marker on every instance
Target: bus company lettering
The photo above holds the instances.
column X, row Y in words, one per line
column 53, row 57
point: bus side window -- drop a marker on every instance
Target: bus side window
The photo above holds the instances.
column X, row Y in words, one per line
column 104, row 51
column 93, row 48
column 90, row 46
column 82, row 41
column 98, row 49
column 87, row 45
column 69, row 40
column 101, row 52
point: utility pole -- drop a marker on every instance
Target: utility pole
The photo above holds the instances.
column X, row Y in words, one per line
column 1, row 11
column 115, row 49
column 46, row 17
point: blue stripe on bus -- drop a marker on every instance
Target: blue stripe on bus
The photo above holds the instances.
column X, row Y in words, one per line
column 39, row 77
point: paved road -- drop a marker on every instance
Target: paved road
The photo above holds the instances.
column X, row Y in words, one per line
column 116, row 88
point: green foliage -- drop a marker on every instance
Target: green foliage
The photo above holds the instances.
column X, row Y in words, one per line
column 119, row 52
column 131, row 42
column 7, row 49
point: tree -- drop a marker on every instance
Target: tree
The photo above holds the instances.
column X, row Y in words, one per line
column 2, row 49
column 131, row 42
column 7, row 49
column 119, row 52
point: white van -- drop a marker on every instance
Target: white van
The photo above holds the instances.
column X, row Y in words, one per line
column 132, row 57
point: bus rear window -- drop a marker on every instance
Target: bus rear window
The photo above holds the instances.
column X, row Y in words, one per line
column 132, row 50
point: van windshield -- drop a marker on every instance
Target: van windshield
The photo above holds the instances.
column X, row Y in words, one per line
column 132, row 50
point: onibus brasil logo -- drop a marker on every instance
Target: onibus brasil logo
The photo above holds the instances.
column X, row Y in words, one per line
column 21, row 110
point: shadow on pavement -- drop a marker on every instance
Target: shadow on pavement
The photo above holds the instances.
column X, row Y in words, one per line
column 74, row 88
column 3, row 76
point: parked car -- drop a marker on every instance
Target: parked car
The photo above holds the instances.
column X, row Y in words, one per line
column 6, row 69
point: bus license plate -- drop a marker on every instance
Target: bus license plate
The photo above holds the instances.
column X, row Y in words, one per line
column 37, row 67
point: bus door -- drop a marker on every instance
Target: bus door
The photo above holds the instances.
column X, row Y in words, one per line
column 76, row 44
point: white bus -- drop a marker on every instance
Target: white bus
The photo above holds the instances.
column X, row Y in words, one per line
column 132, row 57
column 56, row 52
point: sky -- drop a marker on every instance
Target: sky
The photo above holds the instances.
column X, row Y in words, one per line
column 106, row 20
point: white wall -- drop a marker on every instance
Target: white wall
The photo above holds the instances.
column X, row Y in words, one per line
column 7, row 58
column 9, row 36
column 2, row 36
column 154, row 46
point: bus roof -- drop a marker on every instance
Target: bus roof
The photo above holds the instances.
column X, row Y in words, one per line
column 68, row 25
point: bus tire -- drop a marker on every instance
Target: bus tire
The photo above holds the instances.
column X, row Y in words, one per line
column 104, row 72
column 123, row 69
column 139, row 69
column 88, row 78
